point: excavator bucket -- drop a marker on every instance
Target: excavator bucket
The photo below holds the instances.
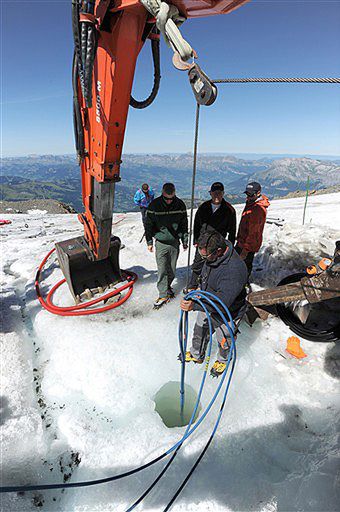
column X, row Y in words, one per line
column 84, row 275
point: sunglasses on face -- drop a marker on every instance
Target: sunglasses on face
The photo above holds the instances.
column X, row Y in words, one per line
column 170, row 199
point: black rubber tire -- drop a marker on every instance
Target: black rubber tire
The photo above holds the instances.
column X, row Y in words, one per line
column 295, row 325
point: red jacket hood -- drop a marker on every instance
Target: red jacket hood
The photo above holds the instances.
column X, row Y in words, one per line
column 263, row 201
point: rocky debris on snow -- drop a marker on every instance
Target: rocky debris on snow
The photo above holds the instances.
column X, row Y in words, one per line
column 32, row 206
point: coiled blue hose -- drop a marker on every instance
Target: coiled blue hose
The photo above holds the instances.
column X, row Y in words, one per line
column 197, row 297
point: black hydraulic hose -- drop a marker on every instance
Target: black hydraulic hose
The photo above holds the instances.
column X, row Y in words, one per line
column 77, row 119
column 157, row 479
column 89, row 50
column 89, row 63
column 88, row 483
column 83, row 31
column 295, row 325
column 77, row 41
column 155, row 47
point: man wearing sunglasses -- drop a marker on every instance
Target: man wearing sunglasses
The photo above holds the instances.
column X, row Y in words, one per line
column 166, row 222
column 250, row 231
column 220, row 215
column 225, row 275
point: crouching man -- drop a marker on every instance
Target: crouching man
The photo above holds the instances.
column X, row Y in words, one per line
column 225, row 275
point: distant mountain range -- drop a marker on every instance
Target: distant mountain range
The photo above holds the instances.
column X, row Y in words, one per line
column 58, row 176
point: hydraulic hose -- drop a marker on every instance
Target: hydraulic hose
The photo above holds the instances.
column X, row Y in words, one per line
column 77, row 119
column 308, row 333
column 77, row 41
column 82, row 309
column 90, row 42
column 155, row 47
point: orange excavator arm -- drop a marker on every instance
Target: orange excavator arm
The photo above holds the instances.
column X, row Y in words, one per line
column 108, row 36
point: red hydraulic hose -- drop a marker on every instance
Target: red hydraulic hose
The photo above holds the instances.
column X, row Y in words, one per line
column 82, row 309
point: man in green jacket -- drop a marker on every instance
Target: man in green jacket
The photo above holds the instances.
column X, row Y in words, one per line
column 167, row 222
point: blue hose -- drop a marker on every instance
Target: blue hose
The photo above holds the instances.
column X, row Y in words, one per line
column 189, row 430
column 232, row 353
column 197, row 296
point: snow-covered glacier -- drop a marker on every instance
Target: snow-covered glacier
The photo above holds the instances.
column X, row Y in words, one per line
column 77, row 394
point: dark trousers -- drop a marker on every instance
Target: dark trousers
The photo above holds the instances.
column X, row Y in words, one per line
column 143, row 212
column 196, row 268
column 200, row 338
column 248, row 260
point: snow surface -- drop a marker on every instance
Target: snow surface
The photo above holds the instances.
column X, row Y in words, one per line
column 77, row 393
column 37, row 212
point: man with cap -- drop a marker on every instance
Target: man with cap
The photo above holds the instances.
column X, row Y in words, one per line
column 224, row 275
column 218, row 214
column 143, row 198
column 250, row 231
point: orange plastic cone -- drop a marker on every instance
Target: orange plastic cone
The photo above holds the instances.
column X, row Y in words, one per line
column 293, row 347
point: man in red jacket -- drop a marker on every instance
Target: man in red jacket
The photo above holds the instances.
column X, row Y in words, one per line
column 249, row 236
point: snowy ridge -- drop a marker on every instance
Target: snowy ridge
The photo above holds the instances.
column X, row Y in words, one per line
column 77, row 393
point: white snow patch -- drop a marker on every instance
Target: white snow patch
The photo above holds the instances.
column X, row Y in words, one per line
column 77, row 393
column 37, row 212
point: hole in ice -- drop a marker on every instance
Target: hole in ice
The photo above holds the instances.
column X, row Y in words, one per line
column 167, row 401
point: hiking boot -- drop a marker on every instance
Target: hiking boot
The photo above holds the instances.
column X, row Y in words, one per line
column 160, row 302
column 217, row 369
column 190, row 358
column 170, row 293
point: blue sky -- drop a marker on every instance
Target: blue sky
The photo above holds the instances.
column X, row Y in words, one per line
column 263, row 38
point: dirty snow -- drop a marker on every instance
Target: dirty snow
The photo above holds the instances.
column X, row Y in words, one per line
column 77, row 393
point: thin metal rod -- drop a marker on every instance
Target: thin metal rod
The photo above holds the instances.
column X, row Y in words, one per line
column 193, row 189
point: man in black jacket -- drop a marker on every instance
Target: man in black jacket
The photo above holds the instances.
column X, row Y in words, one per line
column 225, row 275
column 166, row 222
column 220, row 215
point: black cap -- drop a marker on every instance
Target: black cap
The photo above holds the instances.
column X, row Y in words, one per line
column 217, row 186
column 252, row 188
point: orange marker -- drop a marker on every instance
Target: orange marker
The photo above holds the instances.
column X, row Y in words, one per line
column 293, row 347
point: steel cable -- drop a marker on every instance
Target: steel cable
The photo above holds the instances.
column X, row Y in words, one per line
column 193, row 189
column 276, row 80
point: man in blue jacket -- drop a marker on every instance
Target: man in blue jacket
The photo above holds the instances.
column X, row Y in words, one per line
column 143, row 198
column 225, row 275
